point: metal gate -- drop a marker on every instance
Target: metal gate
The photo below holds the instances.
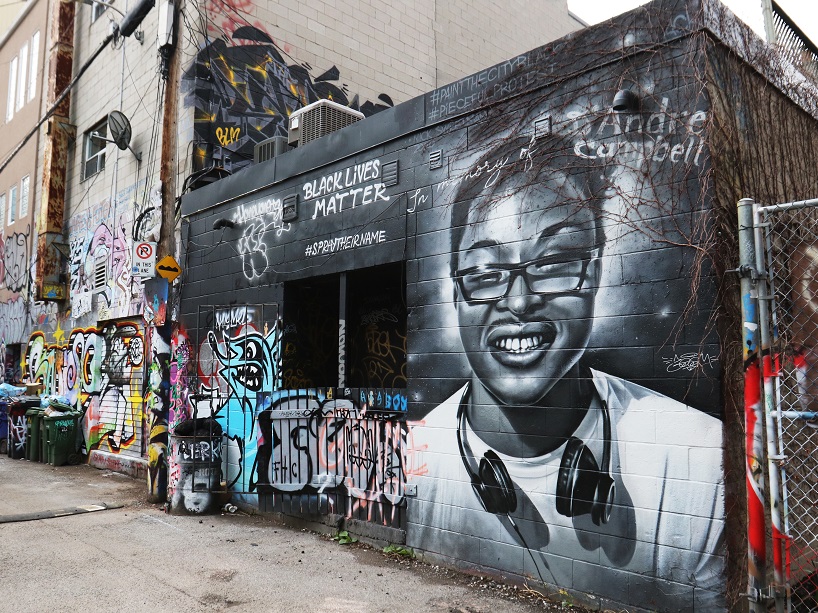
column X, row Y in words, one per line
column 784, row 279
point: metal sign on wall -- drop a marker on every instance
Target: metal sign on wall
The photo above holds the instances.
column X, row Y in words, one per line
column 144, row 259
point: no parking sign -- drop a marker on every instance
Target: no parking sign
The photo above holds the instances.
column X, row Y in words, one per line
column 144, row 259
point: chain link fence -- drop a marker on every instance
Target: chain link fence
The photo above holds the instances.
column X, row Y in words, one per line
column 791, row 236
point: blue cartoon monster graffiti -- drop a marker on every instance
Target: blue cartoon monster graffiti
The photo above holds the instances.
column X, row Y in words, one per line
column 250, row 366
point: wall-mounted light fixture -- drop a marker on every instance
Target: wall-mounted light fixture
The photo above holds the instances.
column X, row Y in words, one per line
column 223, row 222
column 625, row 101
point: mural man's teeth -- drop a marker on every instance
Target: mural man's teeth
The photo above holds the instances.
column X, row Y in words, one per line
column 518, row 344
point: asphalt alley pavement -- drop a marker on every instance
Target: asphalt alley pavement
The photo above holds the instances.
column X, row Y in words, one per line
column 77, row 538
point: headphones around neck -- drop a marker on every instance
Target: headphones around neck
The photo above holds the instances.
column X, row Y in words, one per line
column 583, row 487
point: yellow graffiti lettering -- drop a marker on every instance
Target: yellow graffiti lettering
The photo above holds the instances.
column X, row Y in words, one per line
column 228, row 136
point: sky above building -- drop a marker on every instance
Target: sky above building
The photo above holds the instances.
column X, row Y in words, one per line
column 802, row 12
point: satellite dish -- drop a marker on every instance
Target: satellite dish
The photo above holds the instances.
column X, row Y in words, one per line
column 120, row 129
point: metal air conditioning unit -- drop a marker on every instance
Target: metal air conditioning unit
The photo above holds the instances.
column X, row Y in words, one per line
column 270, row 148
column 319, row 119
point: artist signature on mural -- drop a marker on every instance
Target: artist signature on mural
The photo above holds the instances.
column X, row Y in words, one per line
column 690, row 361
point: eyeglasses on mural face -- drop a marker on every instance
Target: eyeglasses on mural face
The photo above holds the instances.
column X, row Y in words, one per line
column 549, row 275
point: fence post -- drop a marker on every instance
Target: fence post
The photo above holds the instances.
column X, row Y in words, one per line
column 753, row 417
column 770, row 371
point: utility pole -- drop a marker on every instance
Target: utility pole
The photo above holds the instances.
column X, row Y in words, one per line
column 161, row 335
column 171, row 72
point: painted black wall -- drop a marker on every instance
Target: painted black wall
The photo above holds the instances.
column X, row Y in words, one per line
column 477, row 200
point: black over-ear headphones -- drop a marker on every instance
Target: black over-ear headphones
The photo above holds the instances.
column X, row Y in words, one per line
column 582, row 486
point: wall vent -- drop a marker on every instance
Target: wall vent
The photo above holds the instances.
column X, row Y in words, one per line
column 101, row 272
column 389, row 173
column 319, row 119
column 270, row 148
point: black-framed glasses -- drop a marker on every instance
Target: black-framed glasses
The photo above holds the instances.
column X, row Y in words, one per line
column 545, row 276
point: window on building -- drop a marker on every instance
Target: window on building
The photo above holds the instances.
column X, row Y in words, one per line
column 21, row 78
column 12, row 204
column 346, row 330
column 97, row 9
column 2, row 211
column 35, row 65
column 94, row 149
column 12, row 92
column 24, row 184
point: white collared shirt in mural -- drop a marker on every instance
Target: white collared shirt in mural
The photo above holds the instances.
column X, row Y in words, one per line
column 661, row 549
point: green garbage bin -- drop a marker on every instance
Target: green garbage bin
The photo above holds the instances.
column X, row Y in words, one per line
column 33, row 428
column 61, row 438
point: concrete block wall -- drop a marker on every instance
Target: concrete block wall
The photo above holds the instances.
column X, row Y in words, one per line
column 104, row 215
column 123, row 78
column 365, row 54
column 563, row 421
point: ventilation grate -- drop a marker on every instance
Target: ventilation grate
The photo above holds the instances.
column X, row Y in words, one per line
column 100, row 272
column 390, row 173
column 270, row 148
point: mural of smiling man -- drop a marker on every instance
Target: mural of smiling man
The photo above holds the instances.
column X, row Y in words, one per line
column 535, row 466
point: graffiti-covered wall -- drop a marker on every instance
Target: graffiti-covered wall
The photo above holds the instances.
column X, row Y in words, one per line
column 243, row 90
column 99, row 372
column 258, row 60
column 94, row 351
column 523, row 276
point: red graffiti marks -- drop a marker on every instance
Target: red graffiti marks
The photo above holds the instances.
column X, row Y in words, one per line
column 228, row 16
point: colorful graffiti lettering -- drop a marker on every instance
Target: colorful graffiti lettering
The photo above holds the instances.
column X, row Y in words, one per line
column 98, row 372
column 310, row 441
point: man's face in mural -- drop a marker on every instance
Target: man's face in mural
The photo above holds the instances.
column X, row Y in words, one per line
column 526, row 272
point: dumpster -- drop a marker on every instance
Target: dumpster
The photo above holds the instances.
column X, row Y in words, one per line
column 34, row 447
column 195, row 468
column 60, row 434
